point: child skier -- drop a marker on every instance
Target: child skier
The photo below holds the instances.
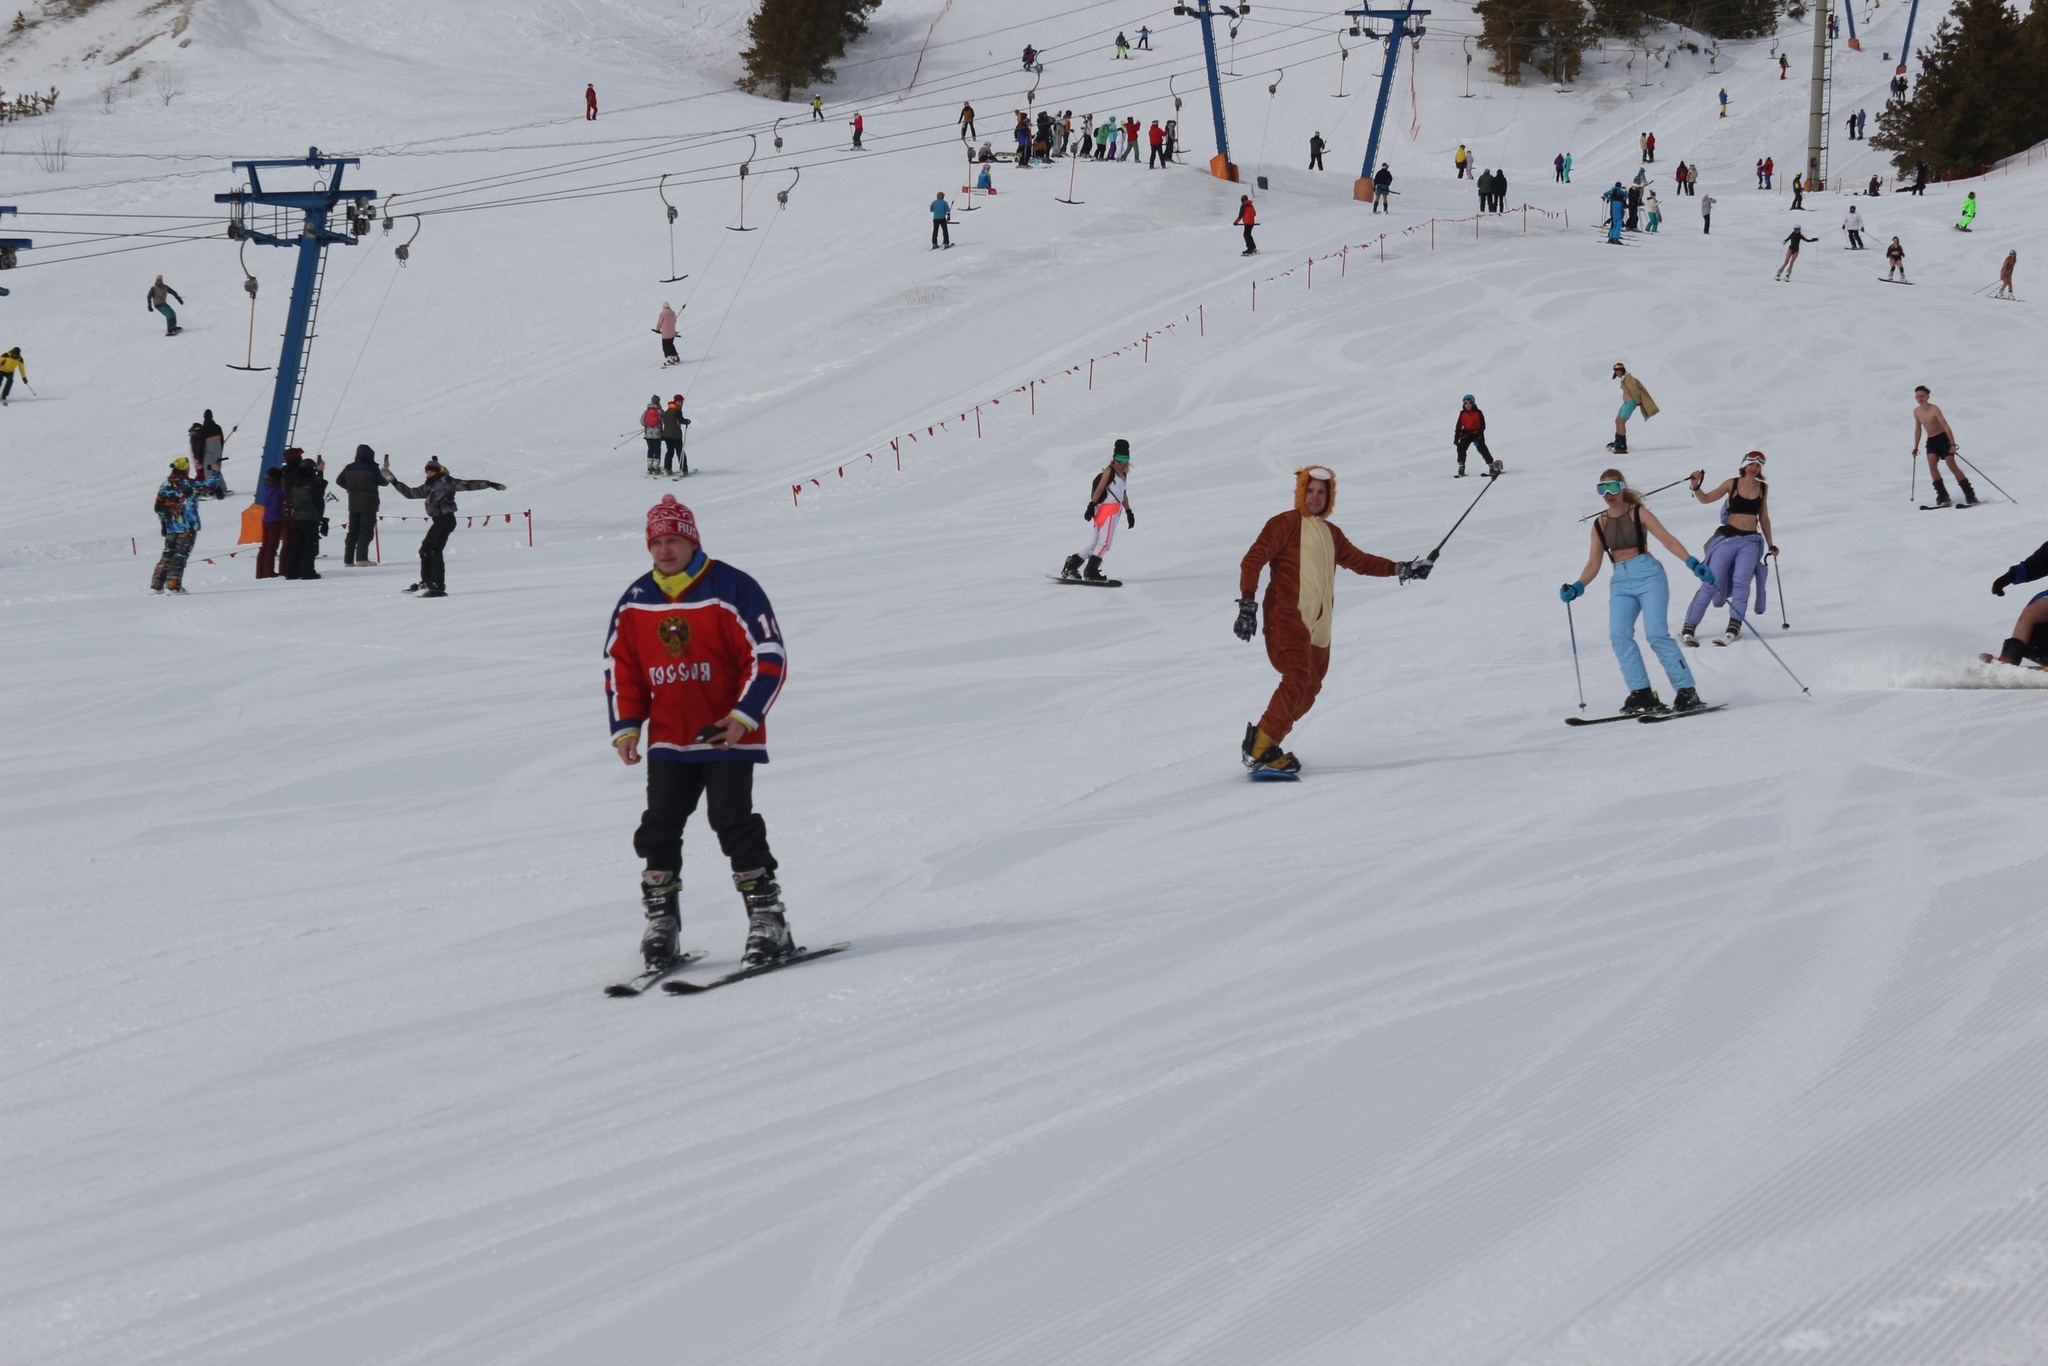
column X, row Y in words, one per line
column 1736, row 549
column 1107, row 496
column 1469, row 431
column 1633, row 396
column 694, row 655
column 1622, row 533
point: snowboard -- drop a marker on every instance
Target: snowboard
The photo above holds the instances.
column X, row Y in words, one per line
column 2023, row 664
column 1088, row 583
column 1273, row 775
column 1881, row 280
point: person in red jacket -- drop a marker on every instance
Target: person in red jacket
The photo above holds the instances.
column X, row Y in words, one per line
column 1247, row 218
column 1471, row 431
column 590, row 102
column 694, row 656
column 1157, row 136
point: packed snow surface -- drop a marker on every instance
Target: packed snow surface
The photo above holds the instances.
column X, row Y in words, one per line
column 1491, row 1041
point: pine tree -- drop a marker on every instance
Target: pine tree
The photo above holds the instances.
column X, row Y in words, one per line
column 1738, row 18
column 1980, row 96
column 795, row 42
column 1549, row 34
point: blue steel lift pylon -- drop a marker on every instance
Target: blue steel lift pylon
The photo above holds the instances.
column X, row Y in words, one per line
column 1220, row 165
column 312, row 240
column 1361, row 189
column 10, row 245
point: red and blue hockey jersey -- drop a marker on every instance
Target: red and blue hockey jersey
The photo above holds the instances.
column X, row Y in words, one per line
column 683, row 662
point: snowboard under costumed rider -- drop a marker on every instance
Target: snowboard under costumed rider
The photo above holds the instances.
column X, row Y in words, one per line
column 695, row 656
column 1303, row 551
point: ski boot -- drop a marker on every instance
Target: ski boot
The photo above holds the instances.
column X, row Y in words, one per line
column 1969, row 494
column 2013, row 651
column 1688, row 636
column 1733, row 633
column 1641, row 702
column 653, row 468
column 767, row 929
column 1261, row 753
column 1495, row 469
column 1619, row 445
column 1092, row 572
column 433, row 590
column 1072, row 568
column 1461, row 471
column 1941, row 498
column 661, row 892
column 1688, row 699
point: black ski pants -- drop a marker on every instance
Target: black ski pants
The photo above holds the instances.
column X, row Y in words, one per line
column 942, row 229
column 362, row 530
column 1465, row 443
column 1315, row 160
column 433, row 569
column 303, row 548
column 673, row 790
column 1249, row 245
column 672, row 455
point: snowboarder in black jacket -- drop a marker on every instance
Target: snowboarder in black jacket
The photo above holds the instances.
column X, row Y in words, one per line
column 439, row 489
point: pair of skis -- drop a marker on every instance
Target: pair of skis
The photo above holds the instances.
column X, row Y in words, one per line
column 1647, row 717
column 646, row 981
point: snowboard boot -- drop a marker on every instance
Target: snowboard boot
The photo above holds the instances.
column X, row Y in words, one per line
column 1733, row 633
column 1969, row 494
column 1687, row 700
column 433, row 590
column 1619, row 445
column 2013, row 651
column 1941, row 498
column 1688, row 635
column 1072, row 568
column 1641, row 702
column 661, row 892
column 1093, row 572
column 1260, row 752
column 767, row 929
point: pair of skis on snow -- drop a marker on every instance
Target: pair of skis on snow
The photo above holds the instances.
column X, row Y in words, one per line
column 1646, row 717
column 645, row 981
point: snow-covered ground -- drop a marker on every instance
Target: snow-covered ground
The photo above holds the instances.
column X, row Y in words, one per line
column 1491, row 1041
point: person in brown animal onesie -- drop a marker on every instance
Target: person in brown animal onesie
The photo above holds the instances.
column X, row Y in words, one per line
column 1303, row 551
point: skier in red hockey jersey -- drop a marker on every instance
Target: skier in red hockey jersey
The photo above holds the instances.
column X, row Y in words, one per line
column 695, row 656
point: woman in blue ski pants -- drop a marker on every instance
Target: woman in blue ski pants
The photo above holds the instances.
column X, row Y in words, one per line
column 1736, row 551
column 1622, row 533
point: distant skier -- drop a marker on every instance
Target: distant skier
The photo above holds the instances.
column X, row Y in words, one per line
column 1770, row 170
column 1649, row 147
column 650, row 432
column 693, row 654
column 1962, row 224
column 1304, row 552
column 270, row 497
column 1567, row 168
column 1635, row 207
column 1247, row 218
column 817, row 109
column 859, row 126
column 1919, row 179
column 1895, row 262
column 967, row 133
column 1462, row 160
column 1315, row 151
column 159, row 295
column 2029, row 638
column 1123, row 49
column 1736, row 550
column 1798, row 190
column 1144, row 39
column 590, row 103
column 1706, row 214
column 1792, row 242
column 1852, row 223
column 1656, row 210
column 1617, row 208
column 177, row 515
column 1108, row 498
column 209, row 449
column 1470, row 431
column 674, row 461
column 1784, row 66
column 942, row 221
column 2004, row 290
column 1383, row 189
column 665, row 328
column 1557, row 165
column 361, row 478
column 1030, row 57
column 1634, row 396
column 1639, row 588
column 11, row 365
column 1724, row 101
column 1156, row 136
column 438, row 489
column 1941, row 445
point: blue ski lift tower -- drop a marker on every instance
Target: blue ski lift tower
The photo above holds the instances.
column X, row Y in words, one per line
column 1398, row 21
column 1220, row 165
column 312, row 239
column 10, row 245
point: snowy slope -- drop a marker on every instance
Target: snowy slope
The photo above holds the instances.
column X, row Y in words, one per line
column 1491, row 1041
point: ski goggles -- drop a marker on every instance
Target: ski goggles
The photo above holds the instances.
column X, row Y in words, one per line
column 1318, row 472
column 1609, row 487
column 1753, row 458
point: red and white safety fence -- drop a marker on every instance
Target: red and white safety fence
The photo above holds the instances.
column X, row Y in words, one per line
column 468, row 520
column 1143, row 345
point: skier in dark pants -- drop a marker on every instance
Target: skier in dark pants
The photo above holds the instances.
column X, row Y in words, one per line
column 1315, row 152
column 1247, row 218
column 942, row 221
column 673, row 461
column 362, row 479
column 695, row 656
column 177, row 515
column 305, row 501
column 1471, row 431
column 439, row 489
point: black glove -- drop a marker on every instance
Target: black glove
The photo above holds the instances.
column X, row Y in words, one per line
column 323, row 526
column 2001, row 583
column 1247, row 619
column 1089, row 515
column 1412, row 569
column 1130, row 517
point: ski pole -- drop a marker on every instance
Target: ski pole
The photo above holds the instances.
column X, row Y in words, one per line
column 1758, row 637
column 1959, row 455
column 1784, row 621
column 1913, row 485
column 628, row 437
column 1490, row 480
column 1651, row 494
column 1569, row 625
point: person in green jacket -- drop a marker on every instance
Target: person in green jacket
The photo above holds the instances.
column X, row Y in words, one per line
column 1969, row 212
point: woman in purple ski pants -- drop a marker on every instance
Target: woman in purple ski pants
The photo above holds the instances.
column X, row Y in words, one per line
column 1737, row 549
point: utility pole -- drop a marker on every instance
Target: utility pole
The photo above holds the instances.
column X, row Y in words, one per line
column 1399, row 19
column 10, row 245
column 1817, row 104
column 1220, row 165
column 312, row 241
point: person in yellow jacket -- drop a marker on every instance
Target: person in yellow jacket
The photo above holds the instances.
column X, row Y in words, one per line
column 1462, row 159
column 11, row 365
column 1633, row 397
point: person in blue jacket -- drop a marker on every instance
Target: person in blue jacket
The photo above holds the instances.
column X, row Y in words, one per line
column 2029, row 638
column 362, row 479
column 177, row 514
column 1617, row 204
column 942, row 219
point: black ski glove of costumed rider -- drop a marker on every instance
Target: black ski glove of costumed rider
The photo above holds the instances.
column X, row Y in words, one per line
column 1412, row 569
column 2001, row 583
column 1247, row 619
